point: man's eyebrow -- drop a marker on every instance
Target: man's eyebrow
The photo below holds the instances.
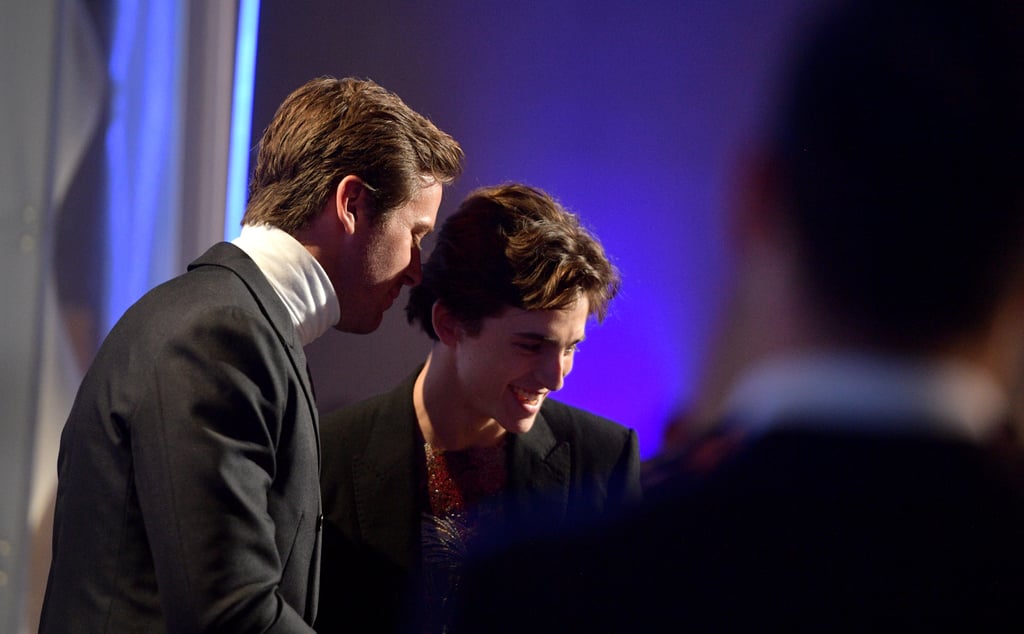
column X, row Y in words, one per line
column 535, row 336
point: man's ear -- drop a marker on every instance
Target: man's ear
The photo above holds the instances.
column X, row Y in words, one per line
column 448, row 328
column 352, row 201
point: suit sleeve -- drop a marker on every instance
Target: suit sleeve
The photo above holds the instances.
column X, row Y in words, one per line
column 204, row 447
column 624, row 488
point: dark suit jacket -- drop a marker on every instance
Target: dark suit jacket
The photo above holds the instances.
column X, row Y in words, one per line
column 571, row 464
column 188, row 470
column 795, row 531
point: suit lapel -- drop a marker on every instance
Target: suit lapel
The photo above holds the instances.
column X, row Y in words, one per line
column 228, row 256
column 386, row 479
column 539, row 474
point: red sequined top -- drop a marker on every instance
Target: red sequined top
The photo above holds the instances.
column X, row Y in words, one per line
column 464, row 492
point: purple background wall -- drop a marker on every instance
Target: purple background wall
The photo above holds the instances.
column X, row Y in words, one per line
column 628, row 112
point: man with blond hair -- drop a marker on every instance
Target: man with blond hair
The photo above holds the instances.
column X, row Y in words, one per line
column 188, row 495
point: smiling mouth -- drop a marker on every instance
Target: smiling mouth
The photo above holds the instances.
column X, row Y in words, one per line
column 527, row 398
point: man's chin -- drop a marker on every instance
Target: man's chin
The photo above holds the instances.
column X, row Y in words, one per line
column 363, row 327
column 520, row 426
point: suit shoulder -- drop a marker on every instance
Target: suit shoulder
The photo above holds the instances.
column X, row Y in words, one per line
column 354, row 419
column 350, row 427
column 567, row 421
column 194, row 295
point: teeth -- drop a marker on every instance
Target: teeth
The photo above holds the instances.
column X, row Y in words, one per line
column 531, row 398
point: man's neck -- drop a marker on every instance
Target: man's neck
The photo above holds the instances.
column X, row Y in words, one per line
column 445, row 419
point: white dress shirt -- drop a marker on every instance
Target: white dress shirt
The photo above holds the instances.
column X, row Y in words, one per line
column 296, row 276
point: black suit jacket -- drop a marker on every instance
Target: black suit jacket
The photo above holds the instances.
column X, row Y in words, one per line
column 801, row 530
column 570, row 465
column 188, row 470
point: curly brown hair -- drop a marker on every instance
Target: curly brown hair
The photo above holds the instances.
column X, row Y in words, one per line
column 511, row 245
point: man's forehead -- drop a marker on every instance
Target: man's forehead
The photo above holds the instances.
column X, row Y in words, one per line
column 543, row 324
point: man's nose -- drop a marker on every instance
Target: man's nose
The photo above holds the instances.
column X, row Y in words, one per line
column 414, row 272
column 553, row 369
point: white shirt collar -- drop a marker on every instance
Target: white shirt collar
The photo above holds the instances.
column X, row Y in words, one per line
column 296, row 276
column 842, row 389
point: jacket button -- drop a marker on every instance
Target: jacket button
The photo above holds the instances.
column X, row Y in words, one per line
column 319, row 522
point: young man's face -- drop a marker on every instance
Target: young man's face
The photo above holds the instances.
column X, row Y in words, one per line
column 506, row 371
column 387, row 258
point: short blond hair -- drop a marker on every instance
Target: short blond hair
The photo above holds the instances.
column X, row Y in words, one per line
column 330, row 128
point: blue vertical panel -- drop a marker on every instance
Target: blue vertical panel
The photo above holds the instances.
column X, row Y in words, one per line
column 144, row 140
column 241, row 115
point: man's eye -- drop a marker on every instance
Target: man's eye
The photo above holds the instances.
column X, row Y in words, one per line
column 528, row 347
column 573, row 349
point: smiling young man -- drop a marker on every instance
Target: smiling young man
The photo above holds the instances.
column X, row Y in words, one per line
column 504, row 371
column 412, row 478
column 188, row 497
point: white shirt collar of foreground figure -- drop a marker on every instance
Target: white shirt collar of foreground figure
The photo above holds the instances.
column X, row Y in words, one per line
column 841, row 389
column 296, row 276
